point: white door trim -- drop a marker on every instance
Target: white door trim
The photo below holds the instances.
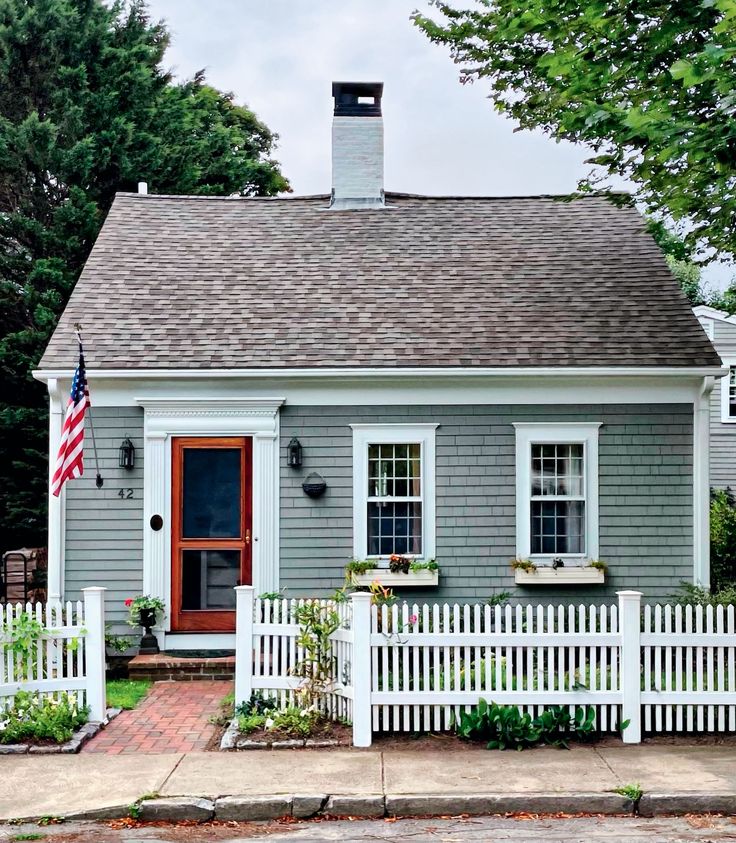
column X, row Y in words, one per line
column 167, row 417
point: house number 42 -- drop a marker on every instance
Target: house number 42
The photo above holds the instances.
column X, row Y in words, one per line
column 125, row 493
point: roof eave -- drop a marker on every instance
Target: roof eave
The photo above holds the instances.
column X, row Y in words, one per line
column 46, row 375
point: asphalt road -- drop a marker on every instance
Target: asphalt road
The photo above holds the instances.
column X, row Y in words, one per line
column 488, row 829
column 457, row 830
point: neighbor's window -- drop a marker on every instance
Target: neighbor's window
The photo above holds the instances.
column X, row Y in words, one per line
column 557, row 490
column 393, row 490
column 557, row 498
column 732, row 391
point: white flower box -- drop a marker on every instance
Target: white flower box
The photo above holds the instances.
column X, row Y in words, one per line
column 417, row 579
column 559, row 576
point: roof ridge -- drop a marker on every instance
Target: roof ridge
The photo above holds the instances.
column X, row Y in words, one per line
column 388, row 194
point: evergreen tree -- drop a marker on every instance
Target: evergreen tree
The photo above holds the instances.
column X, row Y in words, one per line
column 87, row 109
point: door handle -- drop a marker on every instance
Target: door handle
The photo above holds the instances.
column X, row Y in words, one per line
column 247, row 536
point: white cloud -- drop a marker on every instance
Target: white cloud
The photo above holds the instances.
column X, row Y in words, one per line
column 441, row 137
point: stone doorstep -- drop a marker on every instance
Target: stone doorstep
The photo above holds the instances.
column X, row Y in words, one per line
column 306, row 805
column 179, row 676
column 159, row 666
column 72, row 746
column 168, row 661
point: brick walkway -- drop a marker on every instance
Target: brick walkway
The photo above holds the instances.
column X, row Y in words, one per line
column 174, row 717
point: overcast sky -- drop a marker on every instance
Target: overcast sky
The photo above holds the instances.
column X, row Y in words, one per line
column 280, row 57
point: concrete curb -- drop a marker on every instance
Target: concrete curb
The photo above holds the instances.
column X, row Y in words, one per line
column 508, row 803
column 677, row 804
column 245, row 808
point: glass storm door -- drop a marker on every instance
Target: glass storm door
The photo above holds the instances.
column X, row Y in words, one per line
column 211, row 524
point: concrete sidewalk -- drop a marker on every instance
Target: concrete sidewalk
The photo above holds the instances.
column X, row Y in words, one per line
column 675, row 779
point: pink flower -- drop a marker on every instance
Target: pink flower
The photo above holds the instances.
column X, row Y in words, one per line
column 413, row 619
column 129, row 602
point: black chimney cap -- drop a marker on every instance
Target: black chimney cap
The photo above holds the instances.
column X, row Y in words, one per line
column 357, row 99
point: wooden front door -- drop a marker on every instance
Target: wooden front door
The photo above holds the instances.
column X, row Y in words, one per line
column 211, row 527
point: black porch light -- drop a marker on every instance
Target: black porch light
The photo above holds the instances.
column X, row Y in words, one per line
column 126, row 455
column 294, row 453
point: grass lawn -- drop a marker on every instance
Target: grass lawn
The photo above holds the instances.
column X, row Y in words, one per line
column 126, row 693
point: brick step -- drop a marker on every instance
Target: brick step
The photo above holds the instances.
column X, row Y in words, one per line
column 185, row 668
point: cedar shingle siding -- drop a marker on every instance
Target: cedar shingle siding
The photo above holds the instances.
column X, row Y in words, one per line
column 645, row 501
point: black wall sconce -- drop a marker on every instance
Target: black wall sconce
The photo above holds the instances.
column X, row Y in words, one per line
column 126, row 455
column 294, row 453
column 314, row 485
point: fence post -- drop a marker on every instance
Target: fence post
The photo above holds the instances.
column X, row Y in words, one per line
column 629, row 604
column 243, row 643
column 94, row 652
column 361, row 669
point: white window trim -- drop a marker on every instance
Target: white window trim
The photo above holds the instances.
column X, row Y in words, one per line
column 370, row 434
column 167, row 417
column 726, row 418
column 528, row 433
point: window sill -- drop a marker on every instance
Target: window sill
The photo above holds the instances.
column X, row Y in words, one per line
column 559, row 576
column 388, row 578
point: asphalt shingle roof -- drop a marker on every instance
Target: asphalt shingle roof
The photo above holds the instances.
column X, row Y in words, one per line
column 188, row 282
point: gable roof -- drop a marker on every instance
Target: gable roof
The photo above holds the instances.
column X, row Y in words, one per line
column 193, row 282
column 704, row 311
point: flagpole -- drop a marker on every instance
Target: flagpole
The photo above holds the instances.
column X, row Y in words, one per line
column 98, row 480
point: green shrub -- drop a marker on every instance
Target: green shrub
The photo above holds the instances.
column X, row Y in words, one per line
column 32, row 716
column 699, row 596
column 250, row 722
column 294, row 721
column 722, row 538
column 257, row 704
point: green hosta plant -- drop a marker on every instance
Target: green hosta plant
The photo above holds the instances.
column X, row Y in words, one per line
column 505, row 727
column 502, row 726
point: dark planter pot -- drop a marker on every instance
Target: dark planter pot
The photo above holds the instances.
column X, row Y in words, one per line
column 147, row 619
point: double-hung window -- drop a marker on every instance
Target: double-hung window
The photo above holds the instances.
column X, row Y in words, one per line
column 393, row 490
column 728, row 393
column 557, row 492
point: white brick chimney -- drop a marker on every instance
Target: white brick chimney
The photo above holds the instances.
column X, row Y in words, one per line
column 357, row 146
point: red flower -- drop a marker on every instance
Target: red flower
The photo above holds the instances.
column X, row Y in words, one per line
column 129, row 602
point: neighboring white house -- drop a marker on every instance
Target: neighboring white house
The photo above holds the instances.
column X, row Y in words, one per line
column 721, row 330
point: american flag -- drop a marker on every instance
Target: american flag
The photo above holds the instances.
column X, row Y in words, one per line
column 70, row 461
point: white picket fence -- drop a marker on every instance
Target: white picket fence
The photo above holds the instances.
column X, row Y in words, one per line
column 414, row 667
column 69, row 655
column 689, row 669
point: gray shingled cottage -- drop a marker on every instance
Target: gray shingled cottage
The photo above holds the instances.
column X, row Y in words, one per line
column 468, row 379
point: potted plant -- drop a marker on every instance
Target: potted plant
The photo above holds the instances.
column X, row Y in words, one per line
column 144, row 611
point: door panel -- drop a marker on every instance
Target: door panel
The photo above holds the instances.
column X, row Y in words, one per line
column 211, row 525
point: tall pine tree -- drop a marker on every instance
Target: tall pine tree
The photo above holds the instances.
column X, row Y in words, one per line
column 87, row 109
